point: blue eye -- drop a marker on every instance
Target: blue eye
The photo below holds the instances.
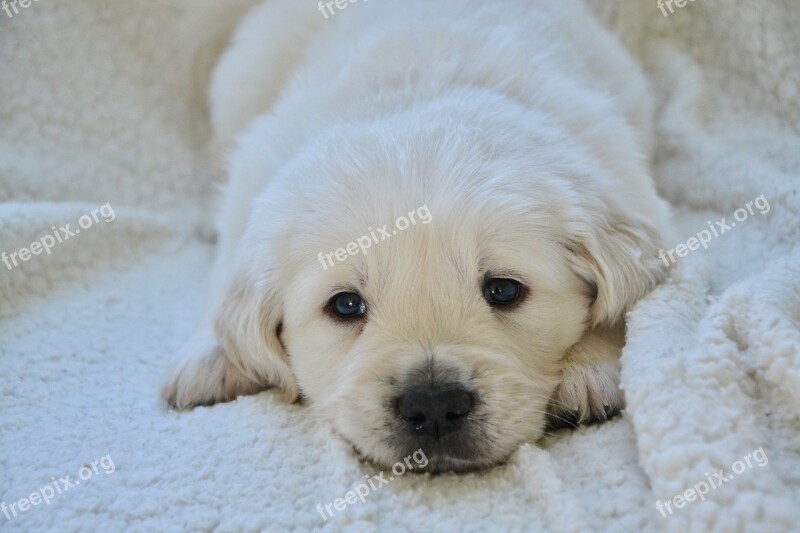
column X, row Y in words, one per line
column 348, row 305
column 502, row 291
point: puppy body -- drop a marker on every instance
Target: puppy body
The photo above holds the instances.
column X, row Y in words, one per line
column 522, row 128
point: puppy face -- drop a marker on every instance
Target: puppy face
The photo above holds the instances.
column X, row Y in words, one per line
column 449, row 335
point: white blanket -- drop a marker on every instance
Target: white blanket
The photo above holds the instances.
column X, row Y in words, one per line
column 92, row 118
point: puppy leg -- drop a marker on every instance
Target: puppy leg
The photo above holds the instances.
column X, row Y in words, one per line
column 204, row 375
column 589, row 388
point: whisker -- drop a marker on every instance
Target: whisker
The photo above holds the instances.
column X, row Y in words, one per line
column 553, row 415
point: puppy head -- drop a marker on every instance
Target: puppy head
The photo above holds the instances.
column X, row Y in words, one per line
column 448, row 333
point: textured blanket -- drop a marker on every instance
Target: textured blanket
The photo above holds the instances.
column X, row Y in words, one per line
column 105, row 261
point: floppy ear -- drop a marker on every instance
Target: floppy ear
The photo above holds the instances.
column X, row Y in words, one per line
column 238, row 353
column 248, row 328
column 618, row 257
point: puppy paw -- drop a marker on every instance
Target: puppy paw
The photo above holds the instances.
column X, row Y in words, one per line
column 586, row 394
column 204, row 376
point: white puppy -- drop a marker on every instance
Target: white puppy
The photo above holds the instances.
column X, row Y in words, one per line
column 493, row 155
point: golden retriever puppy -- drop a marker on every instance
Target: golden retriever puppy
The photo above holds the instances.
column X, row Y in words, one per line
column 436, row 216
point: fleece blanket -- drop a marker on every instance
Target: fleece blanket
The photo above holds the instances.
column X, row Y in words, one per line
column 106, row 260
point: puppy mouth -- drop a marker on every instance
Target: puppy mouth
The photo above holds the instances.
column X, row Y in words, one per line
column 469, row 448
column 438, row 461
column 444, row 463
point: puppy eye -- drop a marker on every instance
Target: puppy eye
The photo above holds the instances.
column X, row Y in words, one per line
column 348, row 305
column 502, row 291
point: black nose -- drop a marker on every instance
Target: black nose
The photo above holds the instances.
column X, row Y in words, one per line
column 433, row 411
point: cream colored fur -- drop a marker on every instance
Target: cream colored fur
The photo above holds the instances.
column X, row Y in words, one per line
column 521, row 125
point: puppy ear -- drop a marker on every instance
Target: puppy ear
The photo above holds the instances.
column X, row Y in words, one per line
column 248, row 328
column 237, row 354
column 204, row 376
column 618, row 257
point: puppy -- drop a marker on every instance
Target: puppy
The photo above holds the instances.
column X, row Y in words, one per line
column 516, row 131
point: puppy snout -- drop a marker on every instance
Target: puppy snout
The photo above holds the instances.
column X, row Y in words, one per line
column 435, row 412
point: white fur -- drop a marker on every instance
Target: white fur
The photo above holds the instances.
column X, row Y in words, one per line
column 524, row 129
